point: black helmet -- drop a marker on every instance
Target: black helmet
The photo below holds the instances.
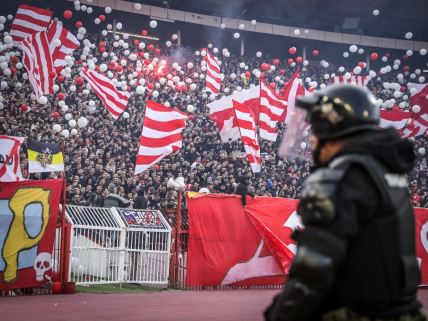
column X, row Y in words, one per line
column 340, row 110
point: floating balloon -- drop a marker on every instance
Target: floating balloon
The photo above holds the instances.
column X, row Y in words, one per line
column 67, row 14
column 292, row 50
column 236, row 35
column 153, row 24
column 56, row 128
column 107, row 10
column 82, row 122
column 374, row 56
column 190, row 108
column 315, row 53
column 408, row 35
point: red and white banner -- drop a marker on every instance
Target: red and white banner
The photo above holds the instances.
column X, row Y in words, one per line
column 419, row 124
column 28, row 21
column 114, row 100
column 38, row 62
column 233, row 245
column 69, row 43
column 226, row 248
column 293, row 89
column 248, row 129
column 272, row 109
column 223, row 113
column 353, row 80
column 213, row 77
column 10, row 165
column 421, row 216
column 28, row 218
column 161, row 134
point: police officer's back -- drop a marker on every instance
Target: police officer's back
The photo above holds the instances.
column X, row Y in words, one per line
column 356, row 256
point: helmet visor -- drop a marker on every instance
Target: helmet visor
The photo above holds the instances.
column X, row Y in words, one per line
column 295, row 142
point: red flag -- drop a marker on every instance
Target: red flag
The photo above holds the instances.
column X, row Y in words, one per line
column 293, row 89
column 28, row 21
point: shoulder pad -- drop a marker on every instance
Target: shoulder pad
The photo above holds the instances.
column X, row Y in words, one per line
column 316, row 206
column 323, row 181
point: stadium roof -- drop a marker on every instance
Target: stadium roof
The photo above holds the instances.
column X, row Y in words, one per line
column 395, row 18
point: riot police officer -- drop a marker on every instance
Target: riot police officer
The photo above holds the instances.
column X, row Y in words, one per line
column 356, row 255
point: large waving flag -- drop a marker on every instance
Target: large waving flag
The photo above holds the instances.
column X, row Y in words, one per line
column 248, row 129
column 38, row 63
column 69, row 43
column 114, row 100
column 222, row 112
column 28, row 21
column 293, row 89
column 161, row 134
column 213, row 77
column 272, row 109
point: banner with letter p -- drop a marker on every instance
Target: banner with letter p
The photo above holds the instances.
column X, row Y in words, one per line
column 28, row 217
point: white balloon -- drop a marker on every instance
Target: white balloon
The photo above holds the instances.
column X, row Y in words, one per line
column 73, row 131
column 153, row 24
column 236, row 35
column 296, row 32
column 155, row 93
column 82, row 122
column 421, row 151
column 7, row 39
column 408, row 35
column 360, row 51
column 423, row 52
column 107, row 10
column 192, row 86
column 140, row 90
column 72, row 123
column 190, row 108
column 341, row 69
column 409, row 53
column 346, row 54
column 137, row 6
column 125, row 115
column 168, row 43
column 357, row 70
column 65, row 133
column 303, row 145
column 253, row 22
column 2, row 19
column 56, row 128
column 42, row 100
column 119, row 26
column 68, row 116
column 421, row 79
column 241, row 26
column 258, row 54
column 222, row 26
column 375, row 12
column 353, row 48
column 57, row 42
column 416, row 108
column 384, row 58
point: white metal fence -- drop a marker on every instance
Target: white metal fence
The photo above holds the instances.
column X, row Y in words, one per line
column 110, row 245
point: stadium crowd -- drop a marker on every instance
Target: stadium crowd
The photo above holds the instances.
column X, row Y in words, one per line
column 100, row 157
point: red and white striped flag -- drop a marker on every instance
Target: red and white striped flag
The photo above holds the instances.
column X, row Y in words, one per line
column 222, row 112
column 392, row 118
column 28, row 21
column 114, row 100
column 353, row 80
column 213, row 77
column 293, row 89
column 272, row 109
column 38, row 63
column 10, row 167
column 248, row 129
column 161, row 134
column 419, row 124
column 69, row 43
